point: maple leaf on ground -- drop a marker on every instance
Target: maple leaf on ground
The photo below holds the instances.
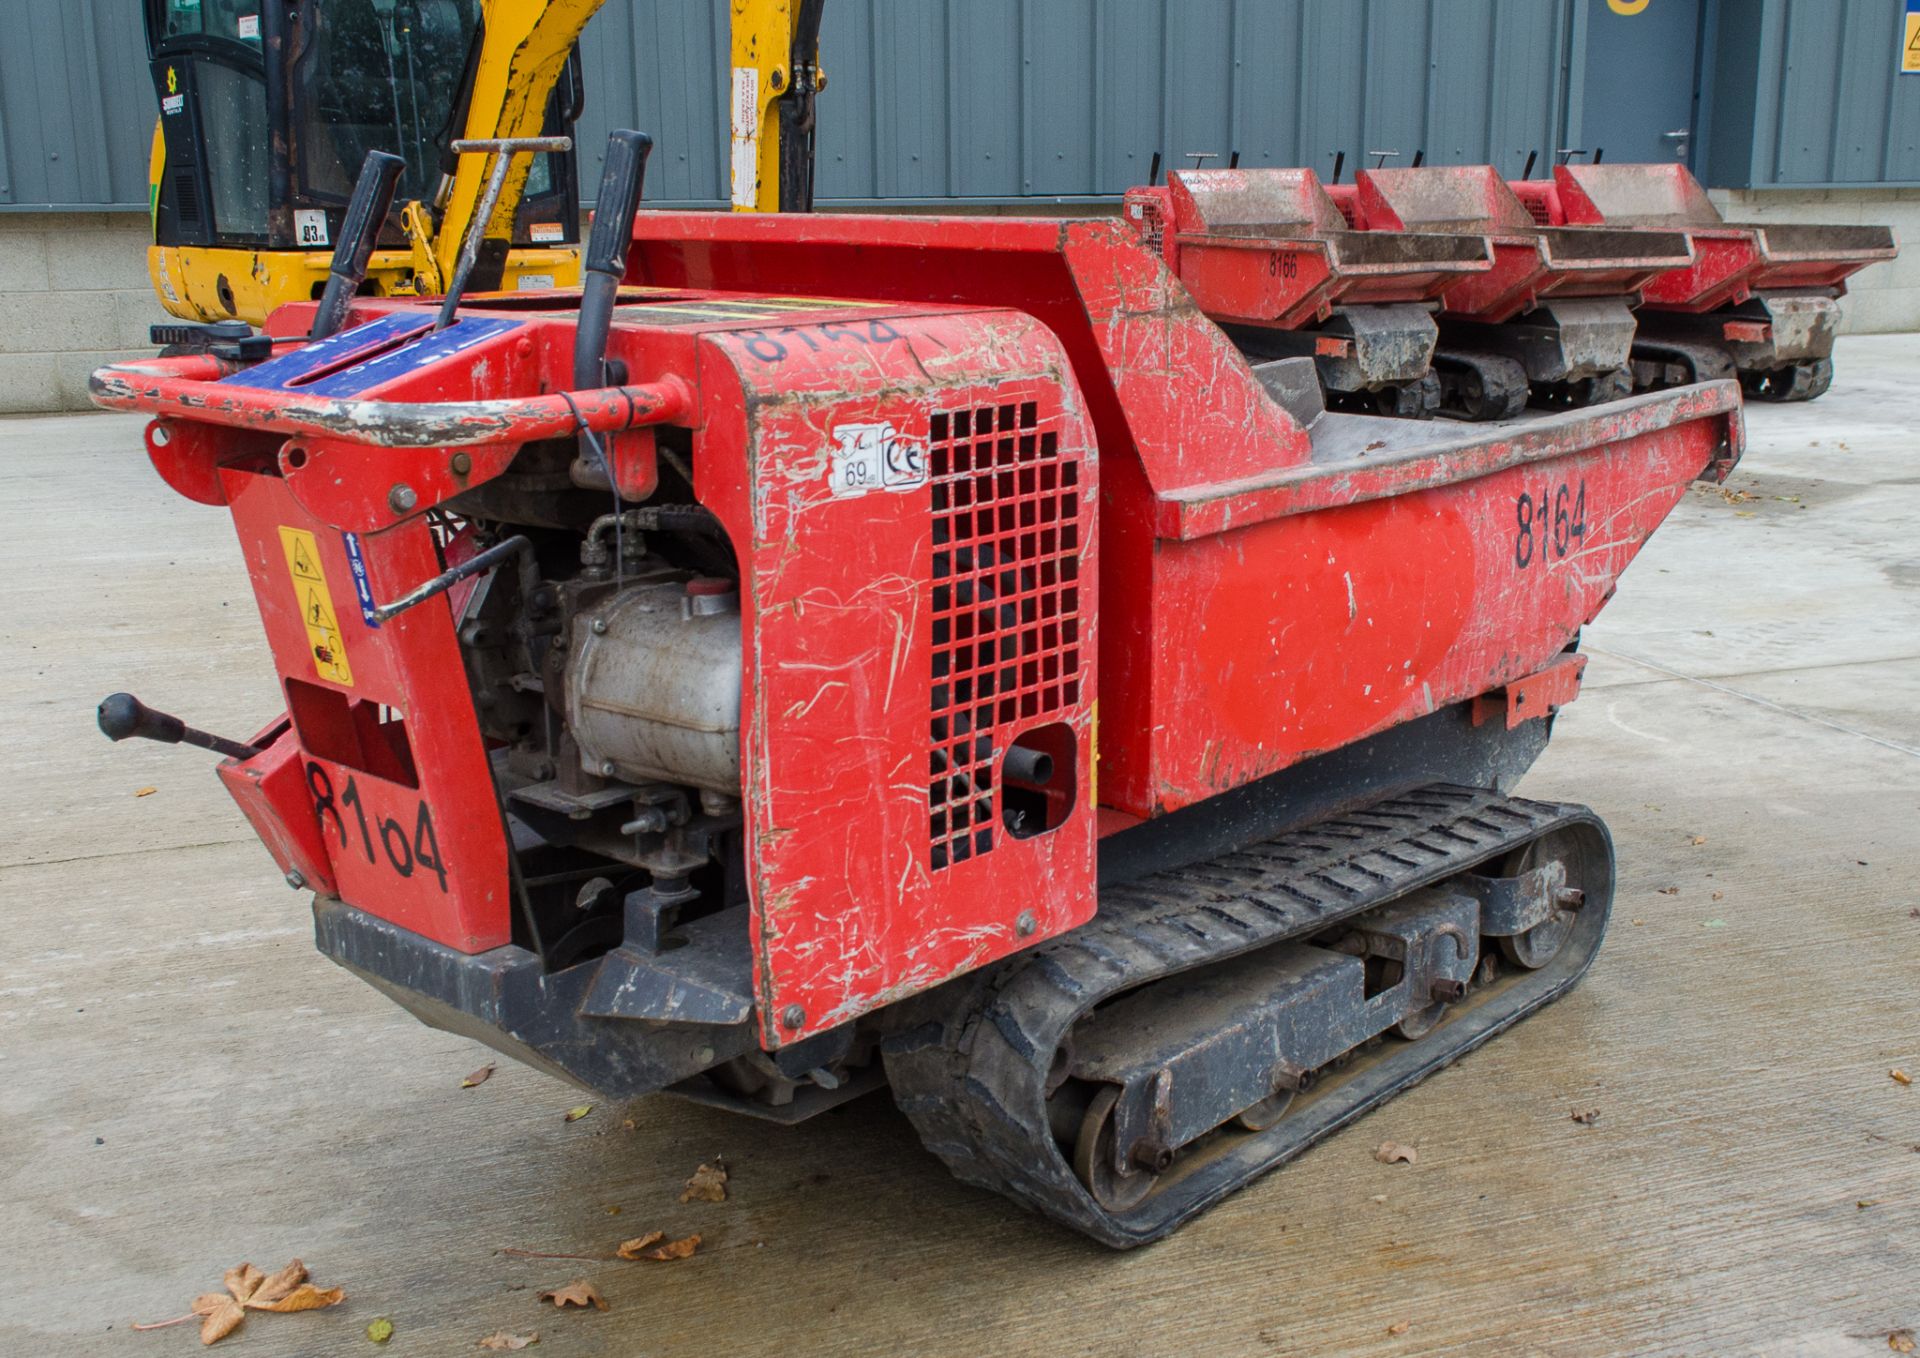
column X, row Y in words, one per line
column 579, row 1292
column 708, row 1184
column 248, row 1289
column 502, row 1342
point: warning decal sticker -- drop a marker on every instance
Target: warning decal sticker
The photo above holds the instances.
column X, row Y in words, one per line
column 324, row 640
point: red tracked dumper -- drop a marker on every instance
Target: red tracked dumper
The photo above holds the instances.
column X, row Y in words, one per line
column 919, row 651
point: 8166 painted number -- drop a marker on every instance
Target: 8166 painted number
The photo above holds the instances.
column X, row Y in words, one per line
column 1552, row 526
column 398, row 849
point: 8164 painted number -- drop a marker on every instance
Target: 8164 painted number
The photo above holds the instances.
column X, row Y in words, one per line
column 400, row 849
column 1551, row 527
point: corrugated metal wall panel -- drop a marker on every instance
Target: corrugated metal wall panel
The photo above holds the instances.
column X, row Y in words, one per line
column 76, row 108
column 1831, row 107
column 1004, row 99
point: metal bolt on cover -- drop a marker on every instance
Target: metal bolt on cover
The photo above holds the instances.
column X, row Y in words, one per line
column 462, row 463
column 792, row 1016
column 294, row 879
column 1026, row 924
column 402, row 497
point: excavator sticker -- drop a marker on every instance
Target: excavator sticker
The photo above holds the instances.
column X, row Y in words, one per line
column 325, row 641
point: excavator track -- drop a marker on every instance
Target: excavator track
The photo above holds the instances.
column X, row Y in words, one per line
column 1018, row 1081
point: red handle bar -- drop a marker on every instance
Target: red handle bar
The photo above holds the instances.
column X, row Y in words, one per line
column 185, row 388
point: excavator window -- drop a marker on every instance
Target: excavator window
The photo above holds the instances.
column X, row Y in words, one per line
column 233, row 113
column 380, row 75
column 212, row 82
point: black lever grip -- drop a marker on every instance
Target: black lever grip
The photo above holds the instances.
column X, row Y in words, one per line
column 366, row 214
column 122, row 715
column 606, row 258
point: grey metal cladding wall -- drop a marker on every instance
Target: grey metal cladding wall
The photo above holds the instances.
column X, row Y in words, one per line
column 76, row 106
column 1830, row 105
column 1006, row 99
column 929, row 99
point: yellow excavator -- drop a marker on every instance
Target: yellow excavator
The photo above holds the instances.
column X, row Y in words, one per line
column 461, row 110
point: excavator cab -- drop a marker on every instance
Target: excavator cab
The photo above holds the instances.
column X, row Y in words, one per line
column 270, row 108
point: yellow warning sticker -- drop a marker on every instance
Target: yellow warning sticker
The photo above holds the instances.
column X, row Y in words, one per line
column 1910, row 40
column 324, row 639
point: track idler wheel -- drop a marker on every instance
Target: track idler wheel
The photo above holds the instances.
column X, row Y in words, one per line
column 1539, row 945
column 1115, row 1190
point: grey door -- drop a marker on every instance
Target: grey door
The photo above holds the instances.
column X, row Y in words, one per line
column 1640, row 78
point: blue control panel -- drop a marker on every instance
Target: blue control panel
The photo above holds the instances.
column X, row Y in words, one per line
column 349, row 362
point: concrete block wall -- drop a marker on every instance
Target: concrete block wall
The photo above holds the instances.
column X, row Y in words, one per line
column 1885, row 297
column 73, row 294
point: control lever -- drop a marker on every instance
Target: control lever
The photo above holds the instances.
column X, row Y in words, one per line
column 123, row 715
column 503, row 150
column 605, row 261
column 366, row 214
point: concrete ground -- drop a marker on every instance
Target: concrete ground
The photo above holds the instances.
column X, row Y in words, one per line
column 185, row 1083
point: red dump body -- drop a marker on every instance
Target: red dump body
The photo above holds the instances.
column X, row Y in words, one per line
column 1531, row 263
column 1732, row 261
column 1230, row 591
column 1269, row 247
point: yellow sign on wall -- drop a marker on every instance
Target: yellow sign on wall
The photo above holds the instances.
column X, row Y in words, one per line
column 1910, row 39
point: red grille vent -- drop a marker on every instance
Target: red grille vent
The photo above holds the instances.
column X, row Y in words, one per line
column 1005, row 606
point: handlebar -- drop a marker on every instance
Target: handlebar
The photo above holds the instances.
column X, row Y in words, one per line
column 183, row 389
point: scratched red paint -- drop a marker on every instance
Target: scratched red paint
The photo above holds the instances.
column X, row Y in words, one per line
column 1239, row 603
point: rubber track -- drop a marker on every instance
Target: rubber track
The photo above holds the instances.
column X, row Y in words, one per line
column 973, row 1078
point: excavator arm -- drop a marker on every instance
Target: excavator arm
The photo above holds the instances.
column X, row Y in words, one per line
column 523, row 50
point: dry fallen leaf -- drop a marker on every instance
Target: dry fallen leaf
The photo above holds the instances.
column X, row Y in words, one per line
column 708, row 1184
column 1900, row 1341
column 1378, row 1197
column 145, row 791
column 1392, row 1150
column 1718, row 894
column 575, row 1114
column 1585, row 1118
column 248, row 1289
column 630, row 1249
column 502, row 1342
column 1669, row 891
column 479, row 1077
column 1400, row 1327
column 673, row 1249
column 1697, row 840
column 1900, row 1077
column 380, row 1329
column 579, row 1292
